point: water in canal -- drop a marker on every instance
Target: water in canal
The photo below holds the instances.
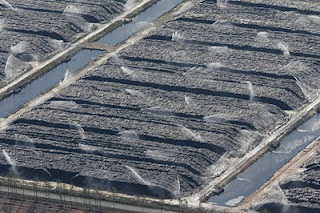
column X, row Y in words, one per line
column 46, row 81
column 262, row 170
column 139, row 22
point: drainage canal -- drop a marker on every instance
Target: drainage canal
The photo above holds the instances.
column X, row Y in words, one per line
column 262, row 170
column 139, row 22
column 48, row 80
